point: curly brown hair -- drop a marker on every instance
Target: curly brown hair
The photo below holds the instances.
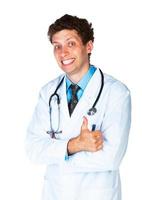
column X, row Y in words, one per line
column 82, row 26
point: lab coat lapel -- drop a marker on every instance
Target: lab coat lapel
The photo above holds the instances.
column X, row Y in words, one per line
column 88, row 98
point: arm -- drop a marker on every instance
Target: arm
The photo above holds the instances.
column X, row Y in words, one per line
column 115, row 129
column 40, row 147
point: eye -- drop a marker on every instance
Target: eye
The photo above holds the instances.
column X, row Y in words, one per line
column 57, row 47
column 71, row 43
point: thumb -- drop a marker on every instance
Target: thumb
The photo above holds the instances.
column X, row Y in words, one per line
column 84, row 124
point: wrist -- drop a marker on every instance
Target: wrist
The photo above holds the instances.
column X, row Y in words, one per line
column 73, row 146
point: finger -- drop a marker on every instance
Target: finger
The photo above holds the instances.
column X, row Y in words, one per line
column 99, row 147
column 97, row 134
column 98, row 143
column 84, row 124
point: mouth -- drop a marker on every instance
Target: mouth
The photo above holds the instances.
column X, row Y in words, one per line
column 68, row 61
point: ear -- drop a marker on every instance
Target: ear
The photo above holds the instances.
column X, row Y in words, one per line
column 89, row 46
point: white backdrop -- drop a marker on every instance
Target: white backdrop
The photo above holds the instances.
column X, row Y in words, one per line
column 27, row 63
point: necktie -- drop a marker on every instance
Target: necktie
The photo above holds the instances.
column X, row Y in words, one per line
column 74, row 100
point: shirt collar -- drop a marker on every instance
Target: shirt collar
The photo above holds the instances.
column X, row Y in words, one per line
column 85, row 79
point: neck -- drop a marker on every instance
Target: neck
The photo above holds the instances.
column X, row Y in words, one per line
column 76, row 77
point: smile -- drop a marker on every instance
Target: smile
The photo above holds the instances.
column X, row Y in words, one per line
column 68, row 61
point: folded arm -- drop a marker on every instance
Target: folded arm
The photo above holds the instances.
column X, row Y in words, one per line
column 40, row 147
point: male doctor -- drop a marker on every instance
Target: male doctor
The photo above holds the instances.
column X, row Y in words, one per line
column 82, row 150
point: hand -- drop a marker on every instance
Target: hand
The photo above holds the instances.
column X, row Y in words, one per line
column 91, row 141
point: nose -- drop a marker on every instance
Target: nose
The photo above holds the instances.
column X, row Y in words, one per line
column 64, row 51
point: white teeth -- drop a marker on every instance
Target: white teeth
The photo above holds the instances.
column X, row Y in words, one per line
column 69, row 61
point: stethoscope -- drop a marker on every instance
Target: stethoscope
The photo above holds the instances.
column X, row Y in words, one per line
column 90, row 112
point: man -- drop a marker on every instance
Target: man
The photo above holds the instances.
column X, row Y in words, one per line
column 82, row 151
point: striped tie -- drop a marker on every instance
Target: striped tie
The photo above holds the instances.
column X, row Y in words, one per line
column 74, row 100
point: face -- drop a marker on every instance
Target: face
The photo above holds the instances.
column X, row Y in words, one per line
column 70, row 53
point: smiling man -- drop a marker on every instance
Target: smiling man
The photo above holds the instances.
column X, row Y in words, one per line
column 71, row 54
column 81, row 123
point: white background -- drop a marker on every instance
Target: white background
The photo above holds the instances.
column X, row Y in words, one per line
column 27, row 63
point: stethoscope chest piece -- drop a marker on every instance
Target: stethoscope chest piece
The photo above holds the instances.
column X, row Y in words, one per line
column 92, row 111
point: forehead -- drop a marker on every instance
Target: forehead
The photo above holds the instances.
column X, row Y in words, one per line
column 64, row 35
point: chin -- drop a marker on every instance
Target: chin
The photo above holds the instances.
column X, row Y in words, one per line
column 67, row 69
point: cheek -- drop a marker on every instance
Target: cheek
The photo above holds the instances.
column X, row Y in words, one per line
column 56, row 56
column 77, row 52
column 81, row 55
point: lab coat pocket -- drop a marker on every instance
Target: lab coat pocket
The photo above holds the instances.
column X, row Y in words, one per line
column 93, row 121
column 100, row 186
column 100, row 194
column 96, row 119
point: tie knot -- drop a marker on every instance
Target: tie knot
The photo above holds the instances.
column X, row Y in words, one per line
column 74, row 88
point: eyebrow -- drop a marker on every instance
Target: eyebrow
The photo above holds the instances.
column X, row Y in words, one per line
column 55, row 42
column 69, row 38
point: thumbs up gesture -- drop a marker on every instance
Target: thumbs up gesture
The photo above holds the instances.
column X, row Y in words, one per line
column 91, row 141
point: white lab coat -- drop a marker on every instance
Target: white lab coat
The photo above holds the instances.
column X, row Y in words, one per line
column 84, row 175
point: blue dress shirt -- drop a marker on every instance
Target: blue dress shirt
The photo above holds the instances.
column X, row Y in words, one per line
column 82, row 83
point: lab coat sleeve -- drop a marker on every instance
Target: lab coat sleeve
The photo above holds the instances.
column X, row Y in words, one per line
column 115, row 128
column 40, row 147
